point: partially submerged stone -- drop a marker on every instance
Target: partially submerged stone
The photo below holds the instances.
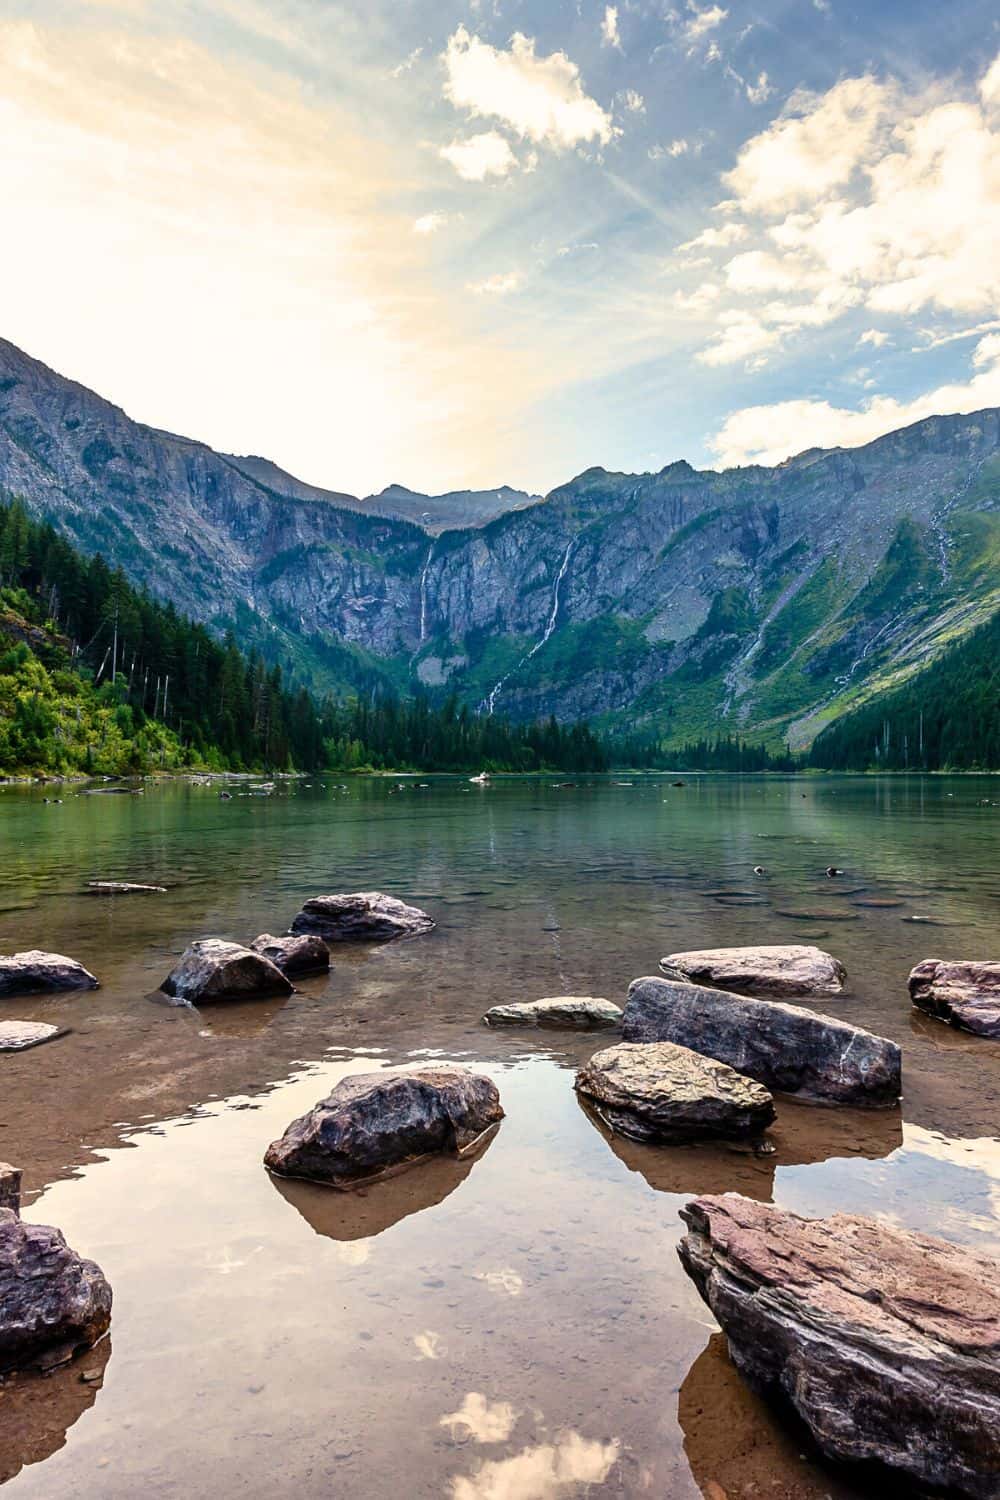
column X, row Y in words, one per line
column 35, row 971
column 786, row 1048
column 307, row 954
column 361, row 917
column 212, row 969
column 377, row 1122
column 657, row 1091
column 886, row 1343
column 52, row 1302
column 965, row 994
column 779, row 969
column 10, row 1187
column 123, row 888
column 18, row 1036
column 571, row 1012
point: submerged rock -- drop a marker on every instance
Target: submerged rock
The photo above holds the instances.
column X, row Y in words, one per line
column 361, row 916
column 123, row 888
column 52, row 1302
column 213, row 969
column 786, row 1048
column 572, row 1012
column 657, row 1091
column 966, row 994
column 308, row 954
column 376, row 1122
column 18, row 1036
column 778, row 969
column 886, row 1343
column 35, row 971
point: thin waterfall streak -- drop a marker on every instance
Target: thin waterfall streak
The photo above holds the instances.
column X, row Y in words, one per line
column 489, row 702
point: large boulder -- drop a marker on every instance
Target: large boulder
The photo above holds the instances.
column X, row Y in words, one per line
column 570, row 1012
column 33, row 972
column 52, row 1302
column 361, row 917
column 965, row 994
column 375, row 1122
column 656, row 1091
column 308, row 954
column 212, row 969
column 786, row 1048
column 886, row 1343
column 779, row 969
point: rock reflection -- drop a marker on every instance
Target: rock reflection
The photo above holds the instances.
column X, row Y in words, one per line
column 735, row 1444
column 37, row 1411
column 365, row 1212
column 239, row 1019
column 545, row 1471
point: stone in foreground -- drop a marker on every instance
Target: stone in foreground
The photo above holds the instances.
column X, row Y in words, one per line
column 571, row 1012
column 212, row 969
column 886, row 1343
column 308, row 954
column 780, row 969
column 786, row 1048
column 35, row 972
column 964, row 994
column 52, row 1302
column 18, row 1036
column 361, row 917
column 656, row 1091
column 378, row 1122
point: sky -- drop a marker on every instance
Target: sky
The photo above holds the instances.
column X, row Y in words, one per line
column 464, row 243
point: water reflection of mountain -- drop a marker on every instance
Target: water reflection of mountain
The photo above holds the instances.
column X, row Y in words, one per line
column 365, row 1212
column 37, row 1411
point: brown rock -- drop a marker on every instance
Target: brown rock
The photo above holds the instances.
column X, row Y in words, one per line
column 212, row 969
column 308, row 954
column 10, row 1187
column 36, row 971
column 568, row 1012
column 657, row 1091
column 361, row 917
column 966, row 995
column 780, row 969
column 18, row 1036
column 52, row 1302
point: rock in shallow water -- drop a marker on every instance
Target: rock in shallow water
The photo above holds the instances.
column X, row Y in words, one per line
column 375, row 1122
column 784, row 1047
column 571, row 1012
column 778, row 969
column 657, row 1091
column 886, row 1343
column 52, row 1302
column 212, row 969
column 361, row 916
column 965, row 994
column 35, row 971
column 294, row 955
column 18, row 1036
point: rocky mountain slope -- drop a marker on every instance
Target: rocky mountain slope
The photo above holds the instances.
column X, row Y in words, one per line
column 760, row 599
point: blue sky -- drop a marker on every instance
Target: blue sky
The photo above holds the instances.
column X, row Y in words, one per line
column 451, row 243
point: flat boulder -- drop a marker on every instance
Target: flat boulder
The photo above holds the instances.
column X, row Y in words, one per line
column 52, row 1302
column 307, row 954
column 782, row 1046
column 886, row 1343
column 18, row 1036
column 35, row 972
column 569, row 1012
column 780, row 969
column 964, row 994
column 375, row 1123
column 123, row 888
column 361, row 917
column 212, row 969
column 657, row 1091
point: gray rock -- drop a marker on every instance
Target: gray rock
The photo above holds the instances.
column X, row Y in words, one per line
column 965, row 994
column 786, row 1048
column 377, row 1122
column 308, row 954
column 212, row 969
column 123, row 888
column 361, row 916
column 10, row 1187
column 52, row 1302
column 884, row 1342
column 35, row 971
column 781, row 969
column 656, row 1091
column 571, row 1012
column 18, row 1036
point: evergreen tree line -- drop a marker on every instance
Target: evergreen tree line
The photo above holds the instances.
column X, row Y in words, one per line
column 723, row 753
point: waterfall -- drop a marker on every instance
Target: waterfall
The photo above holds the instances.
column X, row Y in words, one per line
column 489, row 702
column 423, row 602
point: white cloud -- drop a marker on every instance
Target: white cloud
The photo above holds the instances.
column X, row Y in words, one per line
column 771, row 433
column 679, row 147
column 480, row 156
column 610, row 36
column 703, row 20
column 989, row 84
column 541, row 99
column 701, row 298
column 741, row 336
column 759, row 92
column 484, row 1421
column 874, row 336
column 498, row 285
column 634, row 102
column 933, row 340
column 542, row 1472
column 429, row 223
column 716, row 239
column 408, row 62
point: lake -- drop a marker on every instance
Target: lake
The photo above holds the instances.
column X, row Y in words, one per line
column 518, row 1326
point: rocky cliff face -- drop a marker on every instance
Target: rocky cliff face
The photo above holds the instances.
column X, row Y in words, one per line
column 755, row 599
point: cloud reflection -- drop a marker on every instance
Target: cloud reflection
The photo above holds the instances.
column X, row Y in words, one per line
column 484, row 1421
column 541, row 1472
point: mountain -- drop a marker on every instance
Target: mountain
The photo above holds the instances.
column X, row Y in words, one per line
column 757, row 600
